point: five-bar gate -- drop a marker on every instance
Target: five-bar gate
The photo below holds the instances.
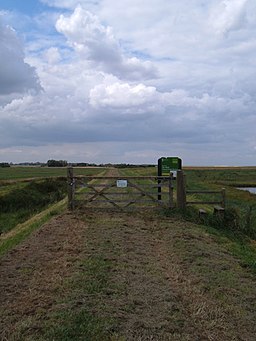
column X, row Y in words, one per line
column 121, row 192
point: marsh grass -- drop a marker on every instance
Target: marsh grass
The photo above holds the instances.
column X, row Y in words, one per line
column 240, row 215
column 226, row 229
column 20, row 203
column 23, row 230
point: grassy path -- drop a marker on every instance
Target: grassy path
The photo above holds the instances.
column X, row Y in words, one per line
column 114, row 276
column 92, row 275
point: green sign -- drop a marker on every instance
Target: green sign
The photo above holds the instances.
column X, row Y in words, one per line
column 166, row 165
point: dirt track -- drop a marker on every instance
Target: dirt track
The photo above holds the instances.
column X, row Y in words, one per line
column 169, row 280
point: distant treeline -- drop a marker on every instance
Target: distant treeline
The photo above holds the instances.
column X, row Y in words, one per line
column 64, row 163
column 57, row 163
column 128, row 165
column 116, row 165
column 4, row 164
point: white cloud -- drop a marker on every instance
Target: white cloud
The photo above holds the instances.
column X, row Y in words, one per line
column 229, row 15
column 144, row 99
column 123, row 95
column 102, row 100
column 52, row 55
column 97, row 43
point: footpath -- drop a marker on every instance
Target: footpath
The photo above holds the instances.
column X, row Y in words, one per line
column 108, row 275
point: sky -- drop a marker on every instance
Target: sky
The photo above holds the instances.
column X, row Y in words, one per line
column 128, row 81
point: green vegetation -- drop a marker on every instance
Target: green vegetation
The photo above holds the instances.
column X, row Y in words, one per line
column 90, row 282
column 224, row 231
column 17, row 205
column 26, row 204
column 19, row 200
column 238, row 225
column 119, row 279
column 240, row 214
column 16, row 173
column 235, row 177
column 122, row 261
column 22, row 231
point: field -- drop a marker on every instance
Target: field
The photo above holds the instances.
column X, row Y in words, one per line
column 26, row 191
column 117, row 276
column 16, row 173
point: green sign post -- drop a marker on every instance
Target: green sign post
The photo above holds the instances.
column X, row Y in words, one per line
column 166, row 166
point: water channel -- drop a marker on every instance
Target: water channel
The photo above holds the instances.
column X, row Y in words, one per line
column 249, row 189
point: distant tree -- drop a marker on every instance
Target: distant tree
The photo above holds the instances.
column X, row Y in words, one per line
column 57, row 163
column 4, row 164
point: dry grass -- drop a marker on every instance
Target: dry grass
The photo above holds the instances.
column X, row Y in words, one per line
column 119, row 276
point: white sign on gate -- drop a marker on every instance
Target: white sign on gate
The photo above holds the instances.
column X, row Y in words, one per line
column 121, row 183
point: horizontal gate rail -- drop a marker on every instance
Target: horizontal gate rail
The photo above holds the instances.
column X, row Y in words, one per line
column 221, row 201
column 120, row 191
column 122, row 177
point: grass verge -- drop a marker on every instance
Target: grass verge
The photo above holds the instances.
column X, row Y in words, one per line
column 225, row 232
column 22, row 231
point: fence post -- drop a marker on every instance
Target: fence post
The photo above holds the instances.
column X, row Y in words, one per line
column 223, row 197
column 171, row 191
column 181, row 190
column 70, row 181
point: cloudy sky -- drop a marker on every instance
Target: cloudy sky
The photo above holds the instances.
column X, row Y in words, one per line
column 128, row 81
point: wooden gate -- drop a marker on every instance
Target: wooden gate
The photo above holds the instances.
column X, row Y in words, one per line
column 121, row 192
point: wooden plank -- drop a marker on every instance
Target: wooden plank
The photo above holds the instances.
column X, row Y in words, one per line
column 219, row 209
column 133, row 201
column 202, row 212
column 141, row 185
column 145, row 193
column 203, row 192
column 123, row 201
column 111, row 201
column 79, row 203
column 99, row 192
column 131, row 194
column 203, row 202
column 124, row 177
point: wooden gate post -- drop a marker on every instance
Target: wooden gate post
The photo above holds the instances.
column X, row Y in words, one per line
column 181, row 190
column 70, row 181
